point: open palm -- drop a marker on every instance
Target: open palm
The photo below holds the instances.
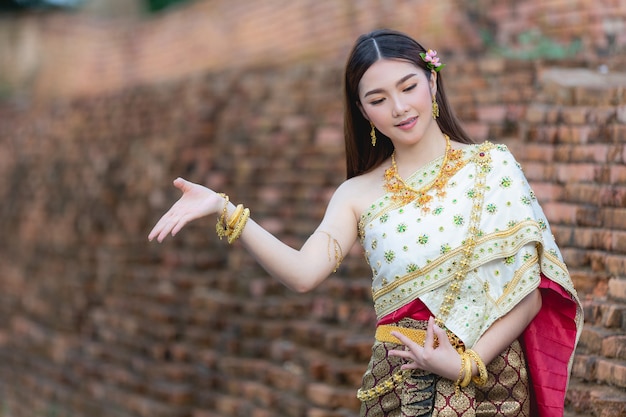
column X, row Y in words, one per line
column 197, row 201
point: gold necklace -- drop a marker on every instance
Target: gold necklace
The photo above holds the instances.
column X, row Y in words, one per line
column 401, row 191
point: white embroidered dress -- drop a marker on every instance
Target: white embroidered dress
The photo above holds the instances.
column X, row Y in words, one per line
column 415, row 253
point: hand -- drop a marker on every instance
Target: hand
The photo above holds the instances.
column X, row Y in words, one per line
column 442, row 360
column 197, row 201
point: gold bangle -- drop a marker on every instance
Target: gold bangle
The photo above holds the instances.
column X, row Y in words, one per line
column 481, row 378
column 232, row 220
column 467, row 378
column 236, row 232
column 221, row 228
column 460, row 378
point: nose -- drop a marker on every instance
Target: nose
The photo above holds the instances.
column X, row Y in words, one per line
column 399, row 107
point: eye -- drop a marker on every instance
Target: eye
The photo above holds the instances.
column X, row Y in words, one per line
column 376, row 102
column 410, row 87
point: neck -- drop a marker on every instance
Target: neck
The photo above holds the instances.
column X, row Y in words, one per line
column 410, row 159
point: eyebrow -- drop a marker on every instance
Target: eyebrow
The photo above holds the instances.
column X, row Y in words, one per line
column 400, row 81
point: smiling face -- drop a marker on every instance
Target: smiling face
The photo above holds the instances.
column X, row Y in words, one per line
column 396, row 96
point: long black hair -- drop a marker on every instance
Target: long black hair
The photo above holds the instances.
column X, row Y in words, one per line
column 361, row 156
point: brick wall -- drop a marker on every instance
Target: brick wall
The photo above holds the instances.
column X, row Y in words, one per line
column 94, row 321
column 60, row 54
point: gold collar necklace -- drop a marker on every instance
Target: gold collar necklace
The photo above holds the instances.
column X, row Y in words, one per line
column 401, row 191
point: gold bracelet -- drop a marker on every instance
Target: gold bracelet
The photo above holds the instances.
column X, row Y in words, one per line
column 221, row 228
column 232, row 220
column 467, row 378
column 481, row 378
column 460, row 378
column 236, row 232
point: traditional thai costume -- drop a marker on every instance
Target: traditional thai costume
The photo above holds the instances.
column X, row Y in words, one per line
column 465, row 240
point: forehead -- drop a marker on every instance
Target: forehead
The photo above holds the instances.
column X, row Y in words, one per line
column 385, row 73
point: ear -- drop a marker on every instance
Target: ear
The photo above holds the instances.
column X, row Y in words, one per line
column 358, row 104
column 432, row 83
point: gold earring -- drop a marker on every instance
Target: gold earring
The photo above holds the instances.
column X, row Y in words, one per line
column 435, row 108
column 373, row 134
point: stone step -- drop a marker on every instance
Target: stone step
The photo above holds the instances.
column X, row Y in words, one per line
column 605, row 313
column 597, row 401
column 592, row 368
column 597, row 340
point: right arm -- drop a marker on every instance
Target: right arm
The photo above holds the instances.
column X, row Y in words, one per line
column 300, row 270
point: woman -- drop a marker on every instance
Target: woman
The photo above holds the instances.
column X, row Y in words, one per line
column 477, row 313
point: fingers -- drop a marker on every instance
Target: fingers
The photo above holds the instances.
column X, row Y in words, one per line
column 167, row 224
column 181, row 183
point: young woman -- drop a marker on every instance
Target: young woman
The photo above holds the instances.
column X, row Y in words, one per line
column 477, row 313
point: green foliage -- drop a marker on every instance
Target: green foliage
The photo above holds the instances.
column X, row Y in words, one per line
column 158, row 5
column 532, row 45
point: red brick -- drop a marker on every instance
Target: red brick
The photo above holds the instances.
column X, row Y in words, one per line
column 546, row 191
column 567, row 173
column 584, row 193
column 536, row 113
column 492, row 114
column 614, row 347
column 619, row 242
column 611, row 372
column 617, row 285
column 575, row 115
column 614, row 218
column 590, row 238
column 535, row 152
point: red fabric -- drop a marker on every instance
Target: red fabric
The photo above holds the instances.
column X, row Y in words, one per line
column 548, row 341
column 416, row 310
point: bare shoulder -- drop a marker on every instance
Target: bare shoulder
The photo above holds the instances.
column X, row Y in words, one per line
column 361, row 191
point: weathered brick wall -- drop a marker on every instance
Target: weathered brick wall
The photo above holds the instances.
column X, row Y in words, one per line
column 60, row 54
column 94, row 321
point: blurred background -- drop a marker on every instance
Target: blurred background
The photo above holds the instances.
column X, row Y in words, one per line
column 104, row 102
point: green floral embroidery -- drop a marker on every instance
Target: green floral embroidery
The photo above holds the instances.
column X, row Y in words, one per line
column 527, row 256
column 509, row 260
column 384, row 218
column 422, row 240
column 526, row 200
column 491, row 208
column 532, row 195
column 390, row 256
column 438, row 211
column 459, row 220
column 542, row 224
column 512, row 223
column 445, row 248
column 401, row 228
column 506, row 182
column 471, row 193
column 374, row 243
column 405, row 248
column 441, row 229
column 411, row 268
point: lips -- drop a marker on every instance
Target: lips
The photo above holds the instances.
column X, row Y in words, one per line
column 408, row 123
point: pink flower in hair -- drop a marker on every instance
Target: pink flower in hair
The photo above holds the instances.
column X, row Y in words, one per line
column 432, row 60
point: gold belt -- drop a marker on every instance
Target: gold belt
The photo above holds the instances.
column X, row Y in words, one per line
column 383, row 334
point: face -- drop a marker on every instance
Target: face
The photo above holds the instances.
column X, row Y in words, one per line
column 396, row 96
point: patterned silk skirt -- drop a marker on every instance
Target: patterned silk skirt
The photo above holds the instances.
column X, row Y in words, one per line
column 506, row 393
